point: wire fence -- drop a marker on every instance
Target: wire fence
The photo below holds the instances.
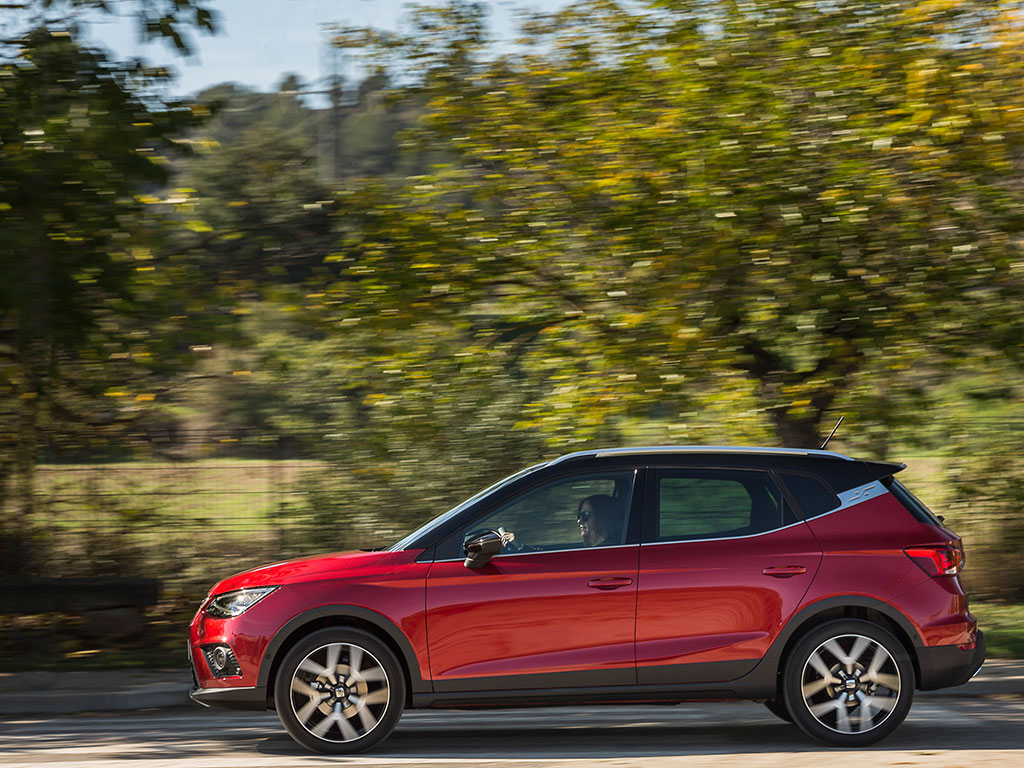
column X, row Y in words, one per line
column 202, row 501
column 191, row 506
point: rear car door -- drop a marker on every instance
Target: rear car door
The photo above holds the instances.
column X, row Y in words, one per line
column 723, row 564
column 548, row 612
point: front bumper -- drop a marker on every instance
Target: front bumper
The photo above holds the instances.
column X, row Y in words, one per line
column 230, row 698
column 944, row 666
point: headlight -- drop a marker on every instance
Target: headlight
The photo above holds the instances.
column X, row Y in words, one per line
column 232, row 604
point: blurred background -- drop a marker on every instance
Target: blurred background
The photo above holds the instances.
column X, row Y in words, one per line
column 306, row 312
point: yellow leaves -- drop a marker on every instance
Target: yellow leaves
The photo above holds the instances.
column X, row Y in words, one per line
column 198, row 226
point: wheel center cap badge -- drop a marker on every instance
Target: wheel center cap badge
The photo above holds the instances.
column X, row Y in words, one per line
column 850, row 684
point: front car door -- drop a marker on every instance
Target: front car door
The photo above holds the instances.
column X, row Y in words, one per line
column 551, row 610
column 724, row 563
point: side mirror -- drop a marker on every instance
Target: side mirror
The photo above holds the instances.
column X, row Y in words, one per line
column 481, row 548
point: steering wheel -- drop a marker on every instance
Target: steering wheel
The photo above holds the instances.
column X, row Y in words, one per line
column 510, row 544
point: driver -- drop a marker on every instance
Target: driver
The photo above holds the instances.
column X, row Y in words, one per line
column 598, row 519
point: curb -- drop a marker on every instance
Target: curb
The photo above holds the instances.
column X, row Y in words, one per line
column 70, row 702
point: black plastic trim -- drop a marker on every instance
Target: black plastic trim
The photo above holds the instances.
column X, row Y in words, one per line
column 565, row 696
column 231, row 698
column 416, row 683
column 542, row 682
column 841, row 601
column 944, row 666
column 716, row 673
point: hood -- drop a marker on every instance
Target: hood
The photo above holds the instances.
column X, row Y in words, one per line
column 290, row 571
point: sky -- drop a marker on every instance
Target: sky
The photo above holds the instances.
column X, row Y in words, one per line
column 260, row 40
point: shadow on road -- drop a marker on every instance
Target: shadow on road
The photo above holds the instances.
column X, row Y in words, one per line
column 692, row 730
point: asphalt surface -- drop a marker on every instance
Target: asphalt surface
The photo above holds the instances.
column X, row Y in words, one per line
column 106, row 719
column 941, row 731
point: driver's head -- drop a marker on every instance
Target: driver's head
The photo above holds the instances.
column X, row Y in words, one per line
column 596, row 516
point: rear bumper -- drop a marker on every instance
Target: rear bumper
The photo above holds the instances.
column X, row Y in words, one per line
column 944, row 666
column 230, row 698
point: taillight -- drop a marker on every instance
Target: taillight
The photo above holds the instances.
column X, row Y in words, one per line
column 944, row 560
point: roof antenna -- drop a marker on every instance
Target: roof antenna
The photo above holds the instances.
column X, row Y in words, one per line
column 831, row 433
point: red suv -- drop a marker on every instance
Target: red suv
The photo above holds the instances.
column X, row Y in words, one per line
column 805, row 579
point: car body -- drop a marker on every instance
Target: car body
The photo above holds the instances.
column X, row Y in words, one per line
column 809, row 580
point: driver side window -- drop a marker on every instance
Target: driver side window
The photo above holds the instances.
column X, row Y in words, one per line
column 548, row 517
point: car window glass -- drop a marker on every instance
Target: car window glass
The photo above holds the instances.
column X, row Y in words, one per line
column 546, row 518
column 811, row 494
column 700, row 504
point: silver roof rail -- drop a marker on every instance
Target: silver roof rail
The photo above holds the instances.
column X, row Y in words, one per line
column 699, row 449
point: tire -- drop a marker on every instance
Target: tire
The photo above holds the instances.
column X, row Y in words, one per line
column 778, row 708
column 848, row 683
column 339, row 691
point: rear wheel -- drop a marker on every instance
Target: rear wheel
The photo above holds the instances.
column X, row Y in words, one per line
column 848, row 683
column 339, row 691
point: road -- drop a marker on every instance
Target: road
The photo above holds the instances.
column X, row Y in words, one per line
column 944, row 732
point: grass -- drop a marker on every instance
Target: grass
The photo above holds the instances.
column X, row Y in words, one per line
column 230, row 493
column 1003, row 625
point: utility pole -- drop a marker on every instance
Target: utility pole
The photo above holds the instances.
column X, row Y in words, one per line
column 335, row 88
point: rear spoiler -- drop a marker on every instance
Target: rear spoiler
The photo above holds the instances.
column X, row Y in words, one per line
column 880, row 470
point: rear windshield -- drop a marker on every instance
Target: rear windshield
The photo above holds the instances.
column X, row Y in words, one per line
column 913, row 504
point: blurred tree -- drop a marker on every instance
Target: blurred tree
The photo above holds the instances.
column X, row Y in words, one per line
column 816, row 197
column 81, row 138
column 406, row 425
column 257, row 209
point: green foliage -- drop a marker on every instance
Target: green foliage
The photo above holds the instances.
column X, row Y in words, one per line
column 81, row 138
column 408, row 425
column 808, row 194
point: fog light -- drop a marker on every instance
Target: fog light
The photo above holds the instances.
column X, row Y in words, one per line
column 221, row 660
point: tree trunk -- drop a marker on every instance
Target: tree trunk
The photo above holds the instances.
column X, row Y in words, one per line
column 797, row 432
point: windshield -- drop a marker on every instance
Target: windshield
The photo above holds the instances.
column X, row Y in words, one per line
column 437, row 521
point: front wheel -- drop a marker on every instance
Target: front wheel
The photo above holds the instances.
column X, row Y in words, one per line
column 339, row 691
column 848, row 683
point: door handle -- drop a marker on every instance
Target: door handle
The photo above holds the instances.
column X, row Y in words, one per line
column 784, row 571
column 610, row 582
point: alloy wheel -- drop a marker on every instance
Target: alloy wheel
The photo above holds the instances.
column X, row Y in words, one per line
column 340, row 692
column 850, row 684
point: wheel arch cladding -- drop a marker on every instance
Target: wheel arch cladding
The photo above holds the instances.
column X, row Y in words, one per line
column 845, row 607
column 351, row 616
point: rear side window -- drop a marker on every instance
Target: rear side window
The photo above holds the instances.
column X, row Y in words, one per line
column 913, row 504
column 707, row 504
column 812, row 495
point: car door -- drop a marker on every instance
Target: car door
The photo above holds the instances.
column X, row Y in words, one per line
column 723, row 564
column 549, row 611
